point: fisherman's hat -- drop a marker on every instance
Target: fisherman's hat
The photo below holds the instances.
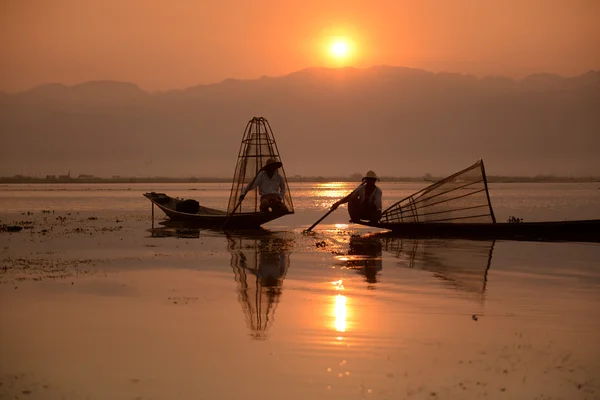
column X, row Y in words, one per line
column 370, row 175
column 273, row 163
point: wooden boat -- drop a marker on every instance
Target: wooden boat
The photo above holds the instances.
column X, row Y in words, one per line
column 459, row 206
column 574, row 231
column 210, row 217
column 258, row 146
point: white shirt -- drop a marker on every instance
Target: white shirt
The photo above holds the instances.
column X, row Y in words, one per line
column 375, row 197
column 266, row 185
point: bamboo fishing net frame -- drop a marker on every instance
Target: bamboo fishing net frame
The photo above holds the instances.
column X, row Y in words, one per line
column 257, row 146
column 461, row 197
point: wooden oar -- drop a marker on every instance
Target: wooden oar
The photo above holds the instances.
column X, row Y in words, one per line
column 328, row 212
column 320, row 219
column 237, row 206
column 233, row 212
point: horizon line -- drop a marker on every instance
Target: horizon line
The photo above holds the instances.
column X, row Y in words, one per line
column 315, row 178
column 150, row 92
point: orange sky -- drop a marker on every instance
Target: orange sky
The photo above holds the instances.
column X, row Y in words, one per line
column 174, row 44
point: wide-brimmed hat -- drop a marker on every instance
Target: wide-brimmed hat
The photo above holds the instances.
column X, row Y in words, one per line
column 272, row 163
column 370, row 175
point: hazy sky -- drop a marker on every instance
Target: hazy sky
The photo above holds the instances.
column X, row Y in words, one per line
column 179, row 43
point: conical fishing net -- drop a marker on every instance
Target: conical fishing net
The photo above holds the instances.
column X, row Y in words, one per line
column 462, row 197
column 258, row 145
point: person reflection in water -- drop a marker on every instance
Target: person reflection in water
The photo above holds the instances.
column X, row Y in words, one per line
column 364, row 203
column 260, row 266
column 365, row 256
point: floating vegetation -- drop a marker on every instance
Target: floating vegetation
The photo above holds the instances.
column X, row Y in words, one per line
column 10, row 228
column 36, row 269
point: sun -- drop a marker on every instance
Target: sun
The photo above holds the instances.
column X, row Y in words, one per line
column 340, row 49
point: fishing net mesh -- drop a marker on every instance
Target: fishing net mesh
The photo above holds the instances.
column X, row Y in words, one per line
column 462, row 197
column 258, row 145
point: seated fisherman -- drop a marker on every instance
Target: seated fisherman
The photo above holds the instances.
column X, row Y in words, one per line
column 271, row 187
column 364, row 203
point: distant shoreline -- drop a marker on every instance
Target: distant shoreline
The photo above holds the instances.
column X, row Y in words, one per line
column 129, row 180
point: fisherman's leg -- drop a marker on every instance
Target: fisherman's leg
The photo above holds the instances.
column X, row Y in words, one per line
column 265, row 204
column 281, row 207
column 373, row 214
column 355, row 209
column 278, row 205
column 272, row 203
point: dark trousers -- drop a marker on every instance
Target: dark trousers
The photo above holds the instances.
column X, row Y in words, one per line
column 358, row 210
column 272, row 203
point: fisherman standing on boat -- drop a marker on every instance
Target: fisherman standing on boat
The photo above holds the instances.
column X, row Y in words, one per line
column 271, row 187
column 364, row 203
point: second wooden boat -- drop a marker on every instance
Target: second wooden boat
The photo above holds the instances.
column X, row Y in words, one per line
column 459, row 206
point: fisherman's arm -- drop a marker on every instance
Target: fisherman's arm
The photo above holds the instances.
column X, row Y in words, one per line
column 252, row 185
column 344, row 200
column 377, row 200
column 281, row 187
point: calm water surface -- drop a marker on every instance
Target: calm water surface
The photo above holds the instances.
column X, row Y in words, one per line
column 96, row 304
column 534, row 202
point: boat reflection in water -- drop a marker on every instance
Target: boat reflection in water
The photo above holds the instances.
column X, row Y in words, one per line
column 461, row 264
column 182, row 233
column 260, row 264
column 364, row 256
column 260, row 260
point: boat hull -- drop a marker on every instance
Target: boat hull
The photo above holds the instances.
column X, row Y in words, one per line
column 576, row 231
column 209, row 217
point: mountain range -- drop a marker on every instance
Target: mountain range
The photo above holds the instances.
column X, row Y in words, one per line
column 394, row 120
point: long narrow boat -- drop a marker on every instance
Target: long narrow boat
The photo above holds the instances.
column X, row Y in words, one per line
column 257, row 147
column 210, row 217
column 459, row 206
column 573, row 231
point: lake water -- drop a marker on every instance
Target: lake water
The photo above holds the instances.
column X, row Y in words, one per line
column 95, row 303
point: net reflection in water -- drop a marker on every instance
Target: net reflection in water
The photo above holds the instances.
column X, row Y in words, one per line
column 462, row 264
column 260, row 265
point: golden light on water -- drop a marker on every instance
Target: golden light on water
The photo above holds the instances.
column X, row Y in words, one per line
column 327, row 193
column 331, row 185
column 340, row 313
column 339, row 285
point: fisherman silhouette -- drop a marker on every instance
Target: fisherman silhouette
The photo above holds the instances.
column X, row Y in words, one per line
column 271, row 187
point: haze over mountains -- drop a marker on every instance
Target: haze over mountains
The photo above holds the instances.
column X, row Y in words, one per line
column 396, row 121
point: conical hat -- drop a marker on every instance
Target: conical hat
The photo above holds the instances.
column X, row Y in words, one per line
column 370, row 174
column 271, row 162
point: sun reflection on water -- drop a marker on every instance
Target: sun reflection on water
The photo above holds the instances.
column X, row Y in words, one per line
column 339, row 285
column 332, row 185
column 326, row 193
column 340, row 311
